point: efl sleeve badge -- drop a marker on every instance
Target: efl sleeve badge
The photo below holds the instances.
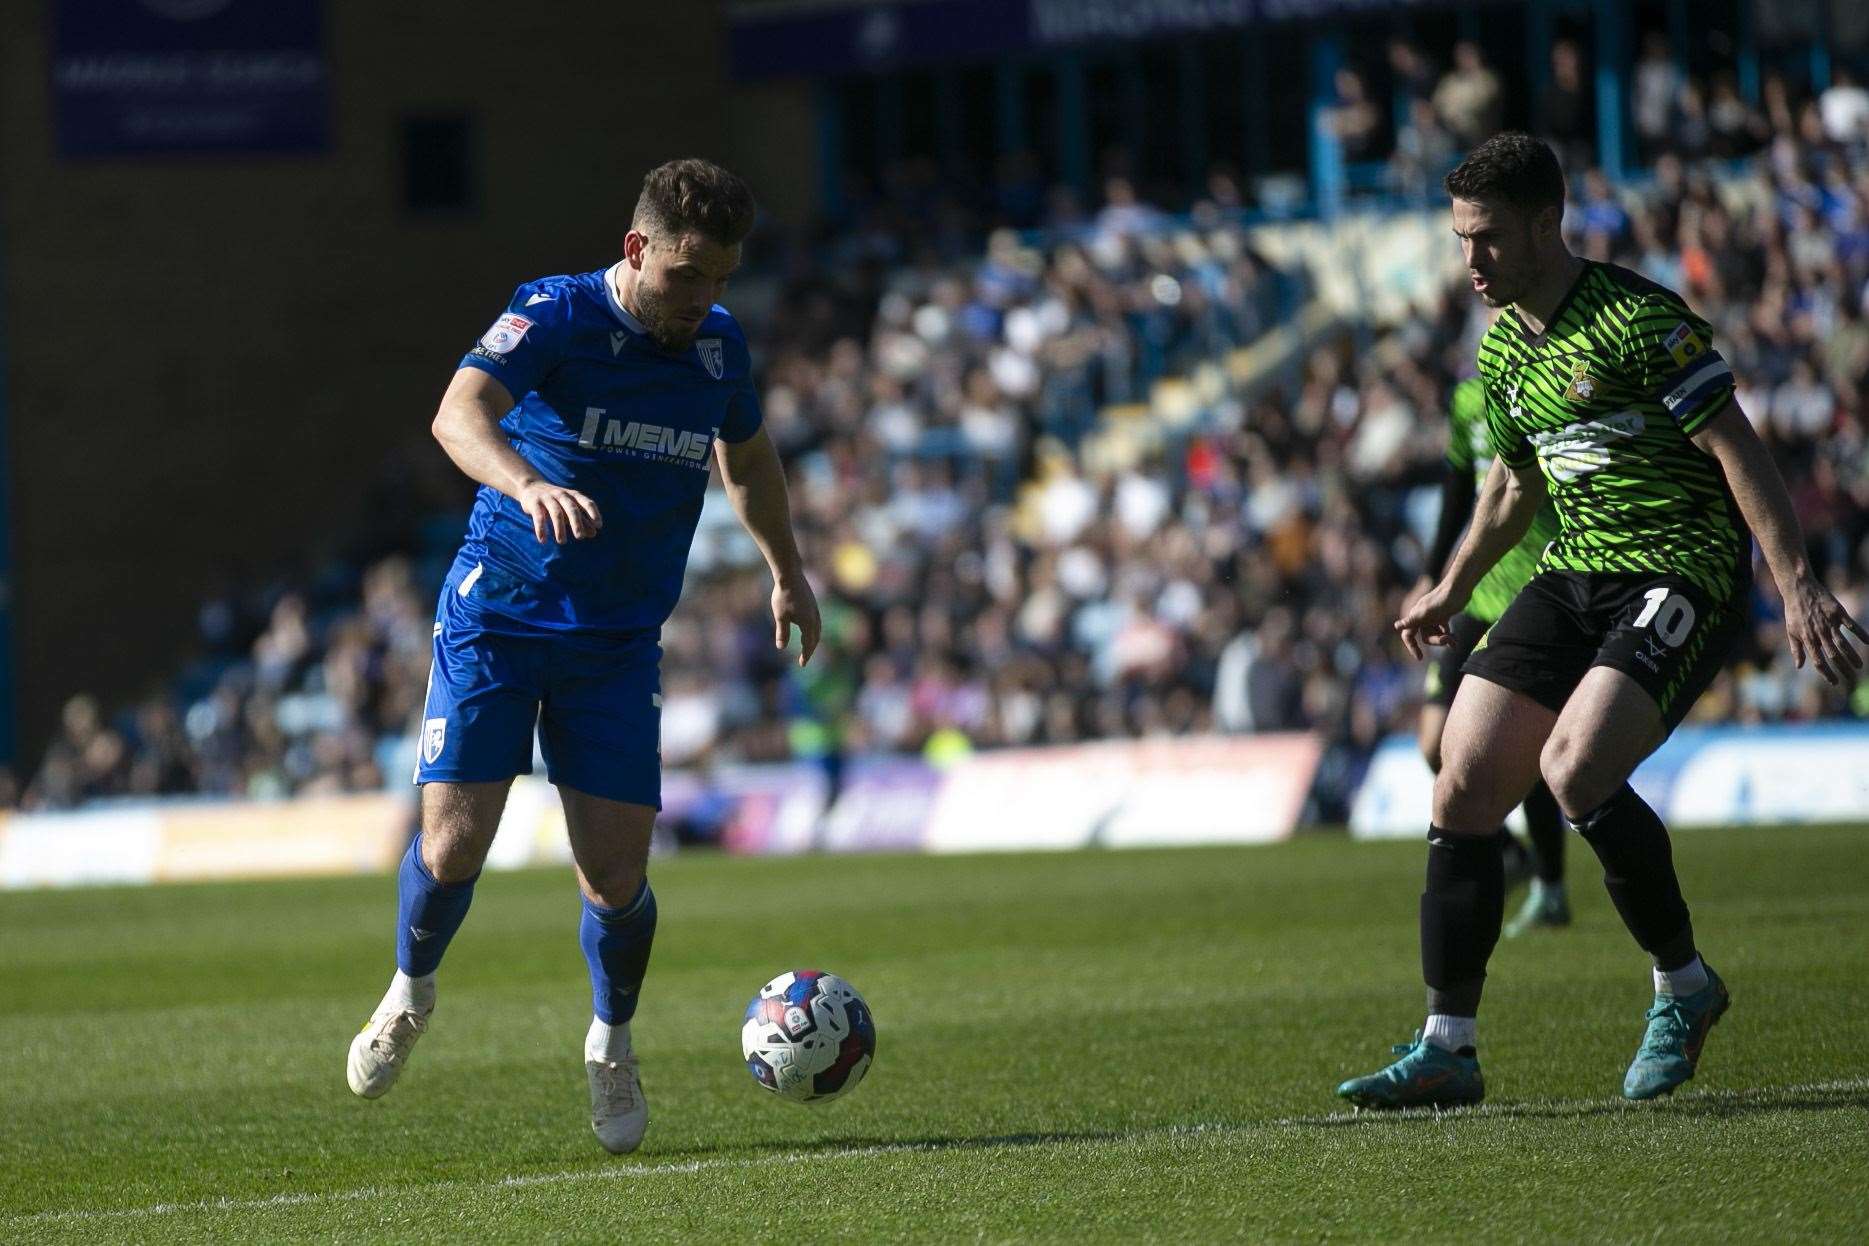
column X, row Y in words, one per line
column 1684, row 345
column 505, row 334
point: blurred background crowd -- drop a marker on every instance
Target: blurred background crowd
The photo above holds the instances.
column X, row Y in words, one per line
column 953, row 375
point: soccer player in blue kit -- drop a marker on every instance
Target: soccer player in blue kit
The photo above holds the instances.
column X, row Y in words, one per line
column 587, row 412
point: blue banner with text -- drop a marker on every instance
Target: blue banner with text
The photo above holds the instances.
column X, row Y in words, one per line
column 133, row 77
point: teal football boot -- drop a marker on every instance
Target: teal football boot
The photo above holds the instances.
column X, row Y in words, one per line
column 1670, row 1050
column 1425, row 1077
column 1545, row 906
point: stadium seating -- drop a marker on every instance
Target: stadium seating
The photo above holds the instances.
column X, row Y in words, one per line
column 1115, row 478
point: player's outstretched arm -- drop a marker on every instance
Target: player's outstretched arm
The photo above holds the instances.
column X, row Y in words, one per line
column 1508, row 503
column 1816, row 624
column 755, row 481
column 468, row 428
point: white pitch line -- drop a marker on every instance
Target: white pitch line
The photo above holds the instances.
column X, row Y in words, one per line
column 1529, row 1109
column 513, row 1181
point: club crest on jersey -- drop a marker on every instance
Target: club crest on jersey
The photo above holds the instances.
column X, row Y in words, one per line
column 712, row 358
column 434, row 733
column 1684, row 345
column 1582, row 386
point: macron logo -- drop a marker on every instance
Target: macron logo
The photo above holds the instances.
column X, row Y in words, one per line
column 540, row 297
column 421, row 935
column 617, row 338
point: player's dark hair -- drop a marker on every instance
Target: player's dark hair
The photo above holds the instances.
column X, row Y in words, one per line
column 696, row 196
column 1513, row 169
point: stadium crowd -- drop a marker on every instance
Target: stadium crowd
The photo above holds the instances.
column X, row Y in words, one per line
column 991, row 575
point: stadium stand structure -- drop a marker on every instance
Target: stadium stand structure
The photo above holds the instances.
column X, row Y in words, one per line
column 1126, row 475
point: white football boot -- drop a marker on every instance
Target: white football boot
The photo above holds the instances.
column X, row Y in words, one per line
column 619, row 1112
column 382, row 1047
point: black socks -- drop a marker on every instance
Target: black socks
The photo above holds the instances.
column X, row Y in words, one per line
column 1461, row 911
column 1638, row 870
column 1545, row 821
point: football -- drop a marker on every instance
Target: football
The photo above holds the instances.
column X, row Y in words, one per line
column 808, row 1036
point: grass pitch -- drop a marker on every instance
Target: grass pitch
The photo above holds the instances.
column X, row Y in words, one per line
column 1099, row 1046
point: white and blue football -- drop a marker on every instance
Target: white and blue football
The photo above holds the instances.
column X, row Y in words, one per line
column 808, row 1036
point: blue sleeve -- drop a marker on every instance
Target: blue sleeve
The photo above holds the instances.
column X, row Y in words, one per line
column 743, row 414
column 523, row 345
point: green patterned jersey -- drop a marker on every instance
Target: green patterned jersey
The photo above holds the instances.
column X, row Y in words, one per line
column 1605, row 401
column 1470, row 451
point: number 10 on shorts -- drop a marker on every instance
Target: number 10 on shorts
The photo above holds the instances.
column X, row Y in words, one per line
column 1671, row 613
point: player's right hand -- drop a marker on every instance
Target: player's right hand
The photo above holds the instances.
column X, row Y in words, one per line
column 1424, row 621
column 565, row 513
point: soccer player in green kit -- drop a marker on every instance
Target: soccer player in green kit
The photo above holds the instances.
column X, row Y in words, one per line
column 1604, row 393
column 1469, row 455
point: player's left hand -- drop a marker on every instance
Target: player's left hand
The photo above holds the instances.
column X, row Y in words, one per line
column 1818, row 627
column 793, row 603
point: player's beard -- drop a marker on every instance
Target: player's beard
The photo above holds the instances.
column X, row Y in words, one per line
column 1504, row 285
column 664, row 328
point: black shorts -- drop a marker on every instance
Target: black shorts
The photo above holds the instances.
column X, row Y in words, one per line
column 1444, row 661
column 1662, row 631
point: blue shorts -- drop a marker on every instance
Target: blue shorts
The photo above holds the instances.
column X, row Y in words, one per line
column 596, row 701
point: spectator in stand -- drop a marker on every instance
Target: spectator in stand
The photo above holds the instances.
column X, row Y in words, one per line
column 1780, row 118
column 1566, row 109
column 1737, row 129
column 1844, row 108
column 1124, row 214
column 1469, row 99
column 1424, row 151
column 1411, row 71
column 163, row 764
column 1354, row 118
column 1655, row 95
column 86, row 760
column 1691, row 134
column 1599, row 212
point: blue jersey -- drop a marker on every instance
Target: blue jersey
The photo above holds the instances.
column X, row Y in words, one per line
column 601, row 408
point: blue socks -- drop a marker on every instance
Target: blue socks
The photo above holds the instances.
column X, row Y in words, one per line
column 616, row 941
column 427, row 913
column 616, row 944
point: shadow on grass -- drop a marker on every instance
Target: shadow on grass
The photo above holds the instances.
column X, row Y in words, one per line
column 856, row 1145
column 1711, row 1105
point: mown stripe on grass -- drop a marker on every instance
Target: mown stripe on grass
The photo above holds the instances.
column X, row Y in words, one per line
column 1826, row 1095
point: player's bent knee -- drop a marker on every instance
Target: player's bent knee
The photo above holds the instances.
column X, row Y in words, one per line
column 1579, row 781
column 458, row 824
column 613, row 877
column 615, row 887
column 451, row 858
column 1557, row 766
column 1586, row 790
column 1463, row 803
